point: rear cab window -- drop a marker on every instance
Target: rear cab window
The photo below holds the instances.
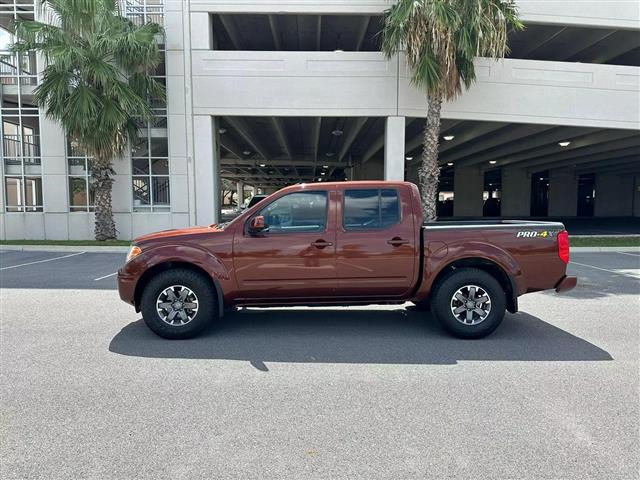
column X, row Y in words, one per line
column 370, row 209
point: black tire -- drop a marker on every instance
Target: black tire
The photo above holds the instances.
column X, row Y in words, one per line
column 423, row 306
column 205, row 299
column 442, row 299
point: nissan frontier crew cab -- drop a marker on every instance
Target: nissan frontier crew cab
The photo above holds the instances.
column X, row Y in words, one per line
column 343, row 243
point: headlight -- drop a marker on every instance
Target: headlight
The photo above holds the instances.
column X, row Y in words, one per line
column 134, row 251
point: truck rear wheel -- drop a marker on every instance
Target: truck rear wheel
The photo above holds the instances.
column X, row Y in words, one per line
column 178, row 304
column 469, row 303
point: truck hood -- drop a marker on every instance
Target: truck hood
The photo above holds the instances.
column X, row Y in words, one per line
column 177, row 232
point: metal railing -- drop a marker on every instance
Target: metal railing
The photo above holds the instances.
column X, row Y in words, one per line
column 11, row 74
column 30, row 147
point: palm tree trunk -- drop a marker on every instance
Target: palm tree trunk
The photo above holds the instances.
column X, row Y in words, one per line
column 105, row 227
column 429, row 172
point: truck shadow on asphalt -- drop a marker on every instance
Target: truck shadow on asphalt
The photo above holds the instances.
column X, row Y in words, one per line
column 402, row 336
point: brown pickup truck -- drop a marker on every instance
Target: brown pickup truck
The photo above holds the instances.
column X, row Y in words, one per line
column 346, row 243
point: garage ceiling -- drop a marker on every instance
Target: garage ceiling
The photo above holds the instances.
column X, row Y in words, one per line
column 277, row 151
column 362, row 33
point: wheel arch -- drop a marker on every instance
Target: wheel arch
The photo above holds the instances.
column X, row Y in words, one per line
column 505, row 280
column 173, row 264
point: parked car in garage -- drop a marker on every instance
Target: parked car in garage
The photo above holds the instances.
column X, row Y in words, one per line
column 343, row 243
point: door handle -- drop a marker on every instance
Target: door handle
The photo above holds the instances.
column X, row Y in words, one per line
column 397, row 241
column 321, row 244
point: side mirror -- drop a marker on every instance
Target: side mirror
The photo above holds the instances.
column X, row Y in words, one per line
column 257, row 224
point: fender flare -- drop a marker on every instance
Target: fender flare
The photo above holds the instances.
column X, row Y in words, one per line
column 189, row 254
column 470, row 250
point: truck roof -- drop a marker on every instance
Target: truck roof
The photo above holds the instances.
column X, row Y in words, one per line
column 347, row 184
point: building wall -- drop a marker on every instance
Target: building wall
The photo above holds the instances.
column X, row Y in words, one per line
column 203, row 83
column 366, row 84
column 605, row 13
column 614, row 195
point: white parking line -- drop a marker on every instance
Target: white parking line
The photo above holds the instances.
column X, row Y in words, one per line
column 627, row 253
column 42, row 261
column 623, row 273
column 106, row 276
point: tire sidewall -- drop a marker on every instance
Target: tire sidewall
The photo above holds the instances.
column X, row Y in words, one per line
column 445, row 290
column 196, row 283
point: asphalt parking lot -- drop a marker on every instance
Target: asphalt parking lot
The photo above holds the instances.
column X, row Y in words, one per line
column 372, row 393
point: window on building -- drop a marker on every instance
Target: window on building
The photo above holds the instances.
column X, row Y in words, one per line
column 149, row 152
column 370, row 209
column 22, row 167
column 81, row 183
column 150, row 174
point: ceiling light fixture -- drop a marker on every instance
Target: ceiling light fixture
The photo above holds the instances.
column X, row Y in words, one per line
column 322, row 173
column 493, row 162
column 566, row 143
column 409, row 158
column 450, row 164
column 337, row 133
column 329, row 154
column 448, row 138
column 325, row 166
column 222, row 130
column 263, row 164
column 246, row 152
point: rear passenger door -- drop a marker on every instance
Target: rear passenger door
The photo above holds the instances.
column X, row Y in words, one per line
column 376, row 251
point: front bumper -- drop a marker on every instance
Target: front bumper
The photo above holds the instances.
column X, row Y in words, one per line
column 567, row 283
column 127, row 287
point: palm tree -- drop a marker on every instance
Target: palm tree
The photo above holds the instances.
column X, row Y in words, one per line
column 441, row 39
column 96, row 83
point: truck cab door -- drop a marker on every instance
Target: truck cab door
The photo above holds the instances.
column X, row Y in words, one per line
column 293, row 256
column 377, row 252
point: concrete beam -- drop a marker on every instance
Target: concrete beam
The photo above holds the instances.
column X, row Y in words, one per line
column 352, row 134
column 546, row 139
column 598, row 143
column 466, row 155
column 241, row 127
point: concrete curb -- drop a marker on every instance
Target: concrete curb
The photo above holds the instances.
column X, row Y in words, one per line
column 605, row 249
column 64, row 248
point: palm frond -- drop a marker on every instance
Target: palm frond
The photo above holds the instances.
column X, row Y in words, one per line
column 440, row 38
column 95, row 81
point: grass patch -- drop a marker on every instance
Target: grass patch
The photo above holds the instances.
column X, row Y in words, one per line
column 605, row 241
column 69, row 243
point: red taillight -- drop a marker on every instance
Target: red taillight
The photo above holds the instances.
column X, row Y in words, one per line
column 563, row 246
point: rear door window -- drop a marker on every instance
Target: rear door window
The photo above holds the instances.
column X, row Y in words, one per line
column 366, row 209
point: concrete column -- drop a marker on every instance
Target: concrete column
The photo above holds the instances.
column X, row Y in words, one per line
column 240, row 192
column 55, row 185
column 636, row 196
column 516, row 193
column 201, row 32
column 394, row 148
column 614, row 195
column 468, row 184
column 563, row 193
column 206, row 165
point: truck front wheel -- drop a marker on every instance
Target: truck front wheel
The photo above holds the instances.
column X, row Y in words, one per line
column 178, row 303
column 469, row 303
